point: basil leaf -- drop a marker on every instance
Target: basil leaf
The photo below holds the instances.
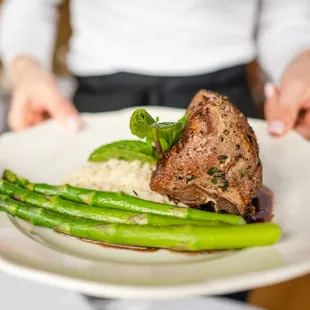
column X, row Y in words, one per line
column 169, row 133
column 166, row 134
column 128, row 150
column 140, row 122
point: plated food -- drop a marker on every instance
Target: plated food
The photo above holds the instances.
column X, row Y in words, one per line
column 59, row 157
column 209, row 159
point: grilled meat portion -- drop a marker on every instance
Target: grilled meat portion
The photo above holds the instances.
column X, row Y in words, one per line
column 215, row 161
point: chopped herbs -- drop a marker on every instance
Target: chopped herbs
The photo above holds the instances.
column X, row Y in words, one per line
column 180, row 177
column 222, row 158
column 217, row 175
column 221, row 138
column 214, row 180
column 190, row 178
column 226, row 132
column 237, row 146
column 244, row 172
column 224, row 187
column 211, row 170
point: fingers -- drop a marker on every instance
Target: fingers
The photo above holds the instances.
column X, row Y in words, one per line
column 304, row 131
column 58, row 107
column 64, row 111
column 290, row 101
column 281, row 109
column 307, row 118
column 37, row 117
column 275, row 124
column 25, row 113
column 303, row 126
column 36, row 96
column 17, row 118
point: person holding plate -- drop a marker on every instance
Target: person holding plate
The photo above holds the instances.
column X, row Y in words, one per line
column 131, row 53
column 157, row 53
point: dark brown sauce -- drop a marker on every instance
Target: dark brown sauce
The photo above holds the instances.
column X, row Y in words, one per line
column 263, row 203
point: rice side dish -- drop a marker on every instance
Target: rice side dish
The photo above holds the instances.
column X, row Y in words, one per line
column 115, row 175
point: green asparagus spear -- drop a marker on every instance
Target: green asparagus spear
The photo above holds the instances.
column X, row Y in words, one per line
column 121, row 201
column 108, row 215
column 38, row 216
column 182, row 238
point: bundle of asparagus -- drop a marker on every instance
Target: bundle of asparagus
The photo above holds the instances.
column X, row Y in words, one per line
column 119, row 201
column 117, row 218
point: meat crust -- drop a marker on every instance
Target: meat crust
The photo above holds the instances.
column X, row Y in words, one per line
column 216, row 159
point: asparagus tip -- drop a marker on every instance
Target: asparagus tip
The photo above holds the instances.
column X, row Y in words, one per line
column 8, row 175
column 241, row 221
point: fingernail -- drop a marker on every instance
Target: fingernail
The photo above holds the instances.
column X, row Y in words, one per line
column 74, row 123
column 276, row 127
column 269, row 90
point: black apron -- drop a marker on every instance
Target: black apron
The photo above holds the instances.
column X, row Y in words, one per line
column 121, row 90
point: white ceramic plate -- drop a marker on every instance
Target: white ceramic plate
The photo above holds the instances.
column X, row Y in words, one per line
column 46, row 153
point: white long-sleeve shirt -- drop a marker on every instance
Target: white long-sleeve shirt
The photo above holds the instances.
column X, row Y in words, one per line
column 160, row 37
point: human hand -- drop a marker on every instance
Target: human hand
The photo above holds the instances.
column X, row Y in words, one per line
column 288, row 106
column 35, row 97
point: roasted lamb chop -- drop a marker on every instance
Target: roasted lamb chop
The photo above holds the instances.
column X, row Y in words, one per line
column 216, row 160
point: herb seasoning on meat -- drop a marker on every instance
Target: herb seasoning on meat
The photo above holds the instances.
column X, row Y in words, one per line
column 230, row 187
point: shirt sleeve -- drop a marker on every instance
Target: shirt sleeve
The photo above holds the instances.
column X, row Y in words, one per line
column 283, row 32
column 28, row 28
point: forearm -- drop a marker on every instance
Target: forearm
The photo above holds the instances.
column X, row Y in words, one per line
column 284, row 33
column 27, row 28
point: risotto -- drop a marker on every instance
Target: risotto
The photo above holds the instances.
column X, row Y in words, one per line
column 115, row 175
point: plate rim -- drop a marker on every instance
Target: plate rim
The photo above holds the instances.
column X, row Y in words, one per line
column 227, row 284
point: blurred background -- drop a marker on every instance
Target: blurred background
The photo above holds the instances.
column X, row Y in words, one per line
column 291, row 295
column 67, row 83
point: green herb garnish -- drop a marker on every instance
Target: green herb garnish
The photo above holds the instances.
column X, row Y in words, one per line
column 244, row 172
column 143, row 125
column 222, row 158
column 190, row 178
column 224, row 187
column 128, row 150
column 214, row 180
column 212, row 170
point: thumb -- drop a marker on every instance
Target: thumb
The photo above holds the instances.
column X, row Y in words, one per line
column 281, row 109
column 64, row 111
column 17, row 116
